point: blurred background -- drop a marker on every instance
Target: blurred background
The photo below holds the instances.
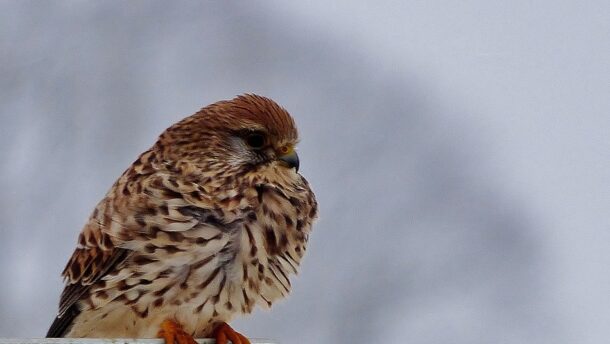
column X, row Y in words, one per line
column 459, row 150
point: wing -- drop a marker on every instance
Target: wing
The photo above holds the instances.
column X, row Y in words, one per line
column 142, row 202
column 99, row 264
column 96, row 253
column 94, row 257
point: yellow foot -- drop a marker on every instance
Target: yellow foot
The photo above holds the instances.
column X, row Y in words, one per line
column 224, row 332
column 174, row 334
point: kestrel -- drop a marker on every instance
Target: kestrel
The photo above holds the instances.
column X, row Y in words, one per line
column 209, row 222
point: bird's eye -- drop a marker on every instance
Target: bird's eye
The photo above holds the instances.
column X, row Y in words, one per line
column 255, row 140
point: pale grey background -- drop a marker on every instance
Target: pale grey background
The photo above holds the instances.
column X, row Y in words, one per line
column 459, row 150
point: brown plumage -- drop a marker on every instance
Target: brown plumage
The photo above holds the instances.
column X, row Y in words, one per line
column 209, row 222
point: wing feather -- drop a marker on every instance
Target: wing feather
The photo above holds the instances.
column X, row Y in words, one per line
column 123, row 222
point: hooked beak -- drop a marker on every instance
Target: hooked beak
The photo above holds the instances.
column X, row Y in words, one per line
column 291, row 159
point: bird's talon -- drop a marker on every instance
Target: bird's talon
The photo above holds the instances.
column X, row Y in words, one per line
column 224, row 332
column 173, row 333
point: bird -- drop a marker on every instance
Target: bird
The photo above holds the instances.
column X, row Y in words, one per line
column 210, row 222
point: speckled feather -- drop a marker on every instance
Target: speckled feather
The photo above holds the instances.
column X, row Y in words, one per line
column 200, row 228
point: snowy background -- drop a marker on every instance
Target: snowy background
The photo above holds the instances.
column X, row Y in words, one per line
column 460, row 151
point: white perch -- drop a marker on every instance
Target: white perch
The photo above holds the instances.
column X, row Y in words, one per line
column 106, row 341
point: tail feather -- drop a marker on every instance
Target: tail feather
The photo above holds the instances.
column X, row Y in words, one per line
column 62, row 324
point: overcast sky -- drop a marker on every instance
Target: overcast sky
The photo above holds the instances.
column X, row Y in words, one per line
column 460, row 152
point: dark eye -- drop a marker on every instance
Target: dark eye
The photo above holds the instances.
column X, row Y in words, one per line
column 255, row 140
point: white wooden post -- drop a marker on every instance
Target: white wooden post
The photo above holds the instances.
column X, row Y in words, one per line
column 106, row 341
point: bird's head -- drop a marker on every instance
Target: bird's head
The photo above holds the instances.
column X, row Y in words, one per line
column 247, row 133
